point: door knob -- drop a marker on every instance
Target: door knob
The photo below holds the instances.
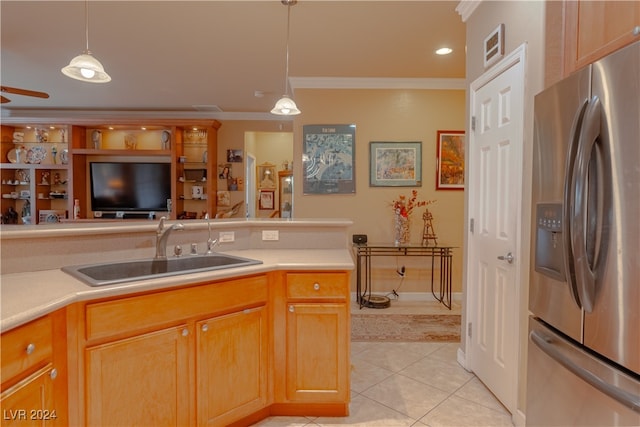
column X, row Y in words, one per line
column 508, row 257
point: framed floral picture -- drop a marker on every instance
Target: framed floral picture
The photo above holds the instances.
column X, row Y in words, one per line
column 395, row 164
column 450, row 160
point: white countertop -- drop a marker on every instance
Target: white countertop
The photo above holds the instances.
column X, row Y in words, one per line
column 28, row 295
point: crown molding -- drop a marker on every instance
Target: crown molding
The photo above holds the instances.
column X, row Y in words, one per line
column 375, row 83
column 466, row 8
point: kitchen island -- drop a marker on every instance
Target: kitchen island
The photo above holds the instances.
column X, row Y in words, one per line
column 218, row 348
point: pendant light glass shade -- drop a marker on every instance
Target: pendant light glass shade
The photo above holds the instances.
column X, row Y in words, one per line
column 285, row 105
column 85, row 67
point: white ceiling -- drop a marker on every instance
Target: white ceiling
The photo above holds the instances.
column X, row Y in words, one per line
column 179, row 55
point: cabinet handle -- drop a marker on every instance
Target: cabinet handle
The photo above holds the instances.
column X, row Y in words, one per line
column 205, row 327
column 53, row 374
column 185, row 332
column 316, row 286
column 291, row 309
column 31, row 348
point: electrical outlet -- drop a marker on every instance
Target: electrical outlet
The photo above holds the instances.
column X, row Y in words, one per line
column 227, row 236
column 270, row 235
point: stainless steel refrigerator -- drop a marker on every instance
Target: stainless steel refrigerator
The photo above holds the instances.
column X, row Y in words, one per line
column 583, row 365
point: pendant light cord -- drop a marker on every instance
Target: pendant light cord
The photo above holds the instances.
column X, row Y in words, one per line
column 86, row 22
column 286, row 66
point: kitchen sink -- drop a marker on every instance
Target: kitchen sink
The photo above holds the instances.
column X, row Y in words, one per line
column 129, row 271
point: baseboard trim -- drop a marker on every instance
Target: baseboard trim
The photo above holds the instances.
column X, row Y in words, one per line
column 519, row 418
column 461, row 357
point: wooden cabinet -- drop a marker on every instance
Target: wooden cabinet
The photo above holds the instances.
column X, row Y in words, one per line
column 35, row 184
column 31, row 401
column 232, row 366
column 34, row 386
column 224, row 353
column 143, row 380
column 317, row 337
column 594, row 29
column 170, row 357
column 285, row 193
column 41, row 187
column 196, row 171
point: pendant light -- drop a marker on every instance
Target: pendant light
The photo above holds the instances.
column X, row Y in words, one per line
column 285, row 106
column 85, row 67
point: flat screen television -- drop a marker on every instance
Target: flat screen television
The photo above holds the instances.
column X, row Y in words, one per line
column 130, row 187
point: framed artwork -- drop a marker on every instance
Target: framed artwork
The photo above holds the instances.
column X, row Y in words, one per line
column 265, row 200
column 234, row 156
column 450, row 160
column 225, row 171
column 395, row 164
column 267, row 177
column 328, row 159
column 223, row 198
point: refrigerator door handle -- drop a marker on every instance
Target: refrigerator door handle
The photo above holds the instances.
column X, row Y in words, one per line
column 579, row 205
column 567, row 209
column 549, row 346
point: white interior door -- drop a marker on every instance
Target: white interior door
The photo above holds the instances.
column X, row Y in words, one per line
column 495, row 199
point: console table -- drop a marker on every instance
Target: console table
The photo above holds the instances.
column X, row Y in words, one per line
column 441, row 254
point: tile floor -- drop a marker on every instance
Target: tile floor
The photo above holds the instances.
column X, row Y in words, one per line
column 410, row 384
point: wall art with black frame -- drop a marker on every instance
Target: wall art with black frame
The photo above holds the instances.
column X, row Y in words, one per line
column 328, row 159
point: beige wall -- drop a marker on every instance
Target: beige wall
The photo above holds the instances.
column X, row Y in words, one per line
column 379, row 115
column 524, row 23
column 386, row 115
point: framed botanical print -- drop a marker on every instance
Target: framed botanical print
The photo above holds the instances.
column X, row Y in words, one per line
column 395, row 164
column 450, row 160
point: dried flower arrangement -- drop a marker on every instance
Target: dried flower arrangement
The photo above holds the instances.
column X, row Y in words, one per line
column 403, row 206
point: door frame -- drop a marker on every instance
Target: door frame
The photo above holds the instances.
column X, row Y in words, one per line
column 250, row 186
column 517, row 56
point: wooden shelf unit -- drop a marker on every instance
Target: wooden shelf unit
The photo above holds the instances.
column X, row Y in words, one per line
column 122, row 140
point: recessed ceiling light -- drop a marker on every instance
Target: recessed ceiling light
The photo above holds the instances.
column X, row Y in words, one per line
column 444, row 51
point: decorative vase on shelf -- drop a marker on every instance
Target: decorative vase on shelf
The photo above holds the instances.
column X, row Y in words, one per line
column 401, row 231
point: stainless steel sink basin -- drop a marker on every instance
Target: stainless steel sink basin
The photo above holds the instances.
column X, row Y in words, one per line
column 130, row 271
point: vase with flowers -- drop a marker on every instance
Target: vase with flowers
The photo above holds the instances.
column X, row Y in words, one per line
column 403, row 207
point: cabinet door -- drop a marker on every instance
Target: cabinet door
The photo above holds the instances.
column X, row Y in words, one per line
column 31, row 401
column 232, row 366
column 139, row 381
column 317, row 352
column 597, row 28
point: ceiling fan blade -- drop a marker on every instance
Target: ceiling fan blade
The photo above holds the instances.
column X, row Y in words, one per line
column 4, row 100
column 25, row 92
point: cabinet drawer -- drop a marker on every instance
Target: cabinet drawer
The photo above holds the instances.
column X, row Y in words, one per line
column 144, row 312
column 317, row 285
column 26, row 347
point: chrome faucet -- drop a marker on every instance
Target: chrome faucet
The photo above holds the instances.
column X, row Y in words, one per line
column 162, row 236
column 210, row 242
